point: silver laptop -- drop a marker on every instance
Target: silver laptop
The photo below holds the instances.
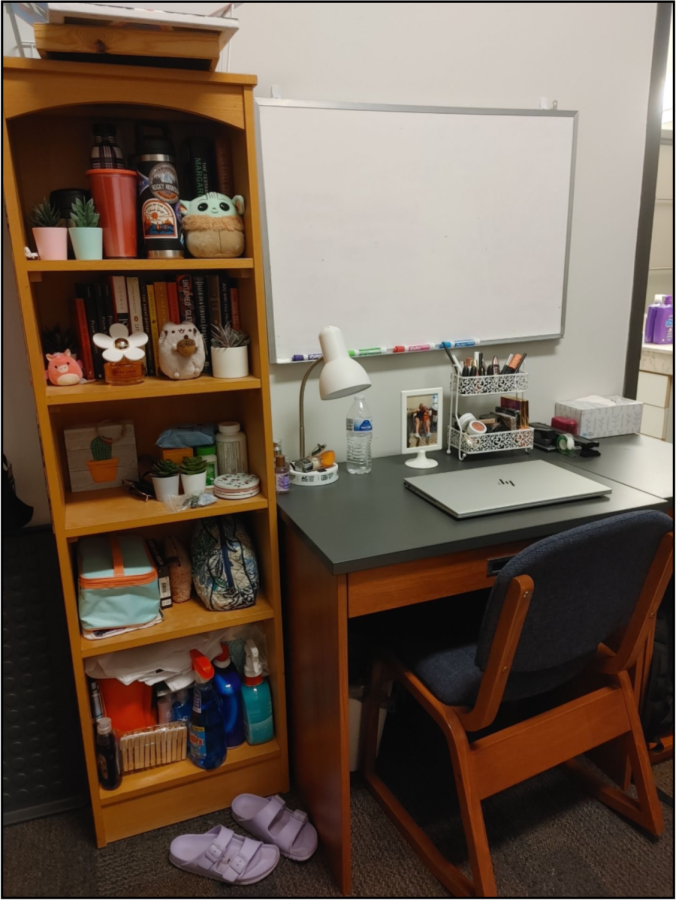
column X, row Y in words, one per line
column 492, row 489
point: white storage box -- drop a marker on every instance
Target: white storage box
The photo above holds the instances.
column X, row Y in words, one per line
column 599, row 417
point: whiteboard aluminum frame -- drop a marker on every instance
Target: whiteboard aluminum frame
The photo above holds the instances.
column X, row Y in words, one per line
column 390, row 107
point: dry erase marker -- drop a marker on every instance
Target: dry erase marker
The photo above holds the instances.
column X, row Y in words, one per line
column 302, row 357
column 399, row 349
column 369, row 351
column 469, row 342
column 413, row 347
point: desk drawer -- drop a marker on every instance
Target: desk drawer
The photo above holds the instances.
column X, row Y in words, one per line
column 404, row 584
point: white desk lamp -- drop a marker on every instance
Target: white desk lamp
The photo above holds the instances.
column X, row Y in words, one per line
column 340, row 377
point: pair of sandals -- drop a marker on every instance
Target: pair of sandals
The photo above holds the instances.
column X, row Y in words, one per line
column 225, row 856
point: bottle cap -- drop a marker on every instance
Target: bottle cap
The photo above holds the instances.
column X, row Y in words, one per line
column 203, row 669
column 228, row 427
column 206, row 451
column 104, row 725
column 668, row 300
column 253, row 670
column 280, row 461
column 222, row 661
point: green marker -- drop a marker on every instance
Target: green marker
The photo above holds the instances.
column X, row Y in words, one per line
column 369, row 351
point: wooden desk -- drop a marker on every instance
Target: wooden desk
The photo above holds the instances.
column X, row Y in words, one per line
column 354, row 548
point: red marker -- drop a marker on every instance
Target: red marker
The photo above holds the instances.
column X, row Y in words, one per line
column 399, row 349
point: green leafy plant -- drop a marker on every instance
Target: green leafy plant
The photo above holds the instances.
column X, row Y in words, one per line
column 225, row 336
column 83, row 214
column 45, row 215
column 193, row 465
column 54, row 340
column 102, row 448
column 164, row 468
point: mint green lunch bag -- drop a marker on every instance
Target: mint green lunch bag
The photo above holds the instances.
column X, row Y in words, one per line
column 118, row 584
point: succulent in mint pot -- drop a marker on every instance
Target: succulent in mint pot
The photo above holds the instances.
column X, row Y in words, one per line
column 194, row 474
column 165, row 479
column 51, row 238
column 86, row 237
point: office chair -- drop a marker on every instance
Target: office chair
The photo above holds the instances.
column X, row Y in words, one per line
column 553, row 615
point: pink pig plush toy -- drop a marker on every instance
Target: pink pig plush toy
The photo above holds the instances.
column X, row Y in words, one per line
column 63, row 369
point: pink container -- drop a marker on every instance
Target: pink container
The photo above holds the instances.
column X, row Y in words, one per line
column 114, row 193
column 51, row 243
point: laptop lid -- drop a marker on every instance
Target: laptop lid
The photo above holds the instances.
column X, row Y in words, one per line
column 492, row 489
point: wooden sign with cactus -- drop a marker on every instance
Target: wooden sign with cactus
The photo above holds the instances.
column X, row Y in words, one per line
column 101, row 456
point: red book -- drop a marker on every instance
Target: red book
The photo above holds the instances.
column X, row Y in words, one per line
column 82, row 329
column 172, row 295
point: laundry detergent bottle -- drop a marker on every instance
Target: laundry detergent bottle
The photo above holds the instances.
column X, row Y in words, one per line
column 229, row 689
column 258, row 726
column 206, row 734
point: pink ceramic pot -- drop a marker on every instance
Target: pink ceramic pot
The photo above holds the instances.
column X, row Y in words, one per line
column 51, row 243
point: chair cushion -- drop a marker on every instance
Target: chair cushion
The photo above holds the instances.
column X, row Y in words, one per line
column 451, row 675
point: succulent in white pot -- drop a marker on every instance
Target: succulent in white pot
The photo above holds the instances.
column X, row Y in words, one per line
column 165, row 479
column 86, row 237
column 194, row 475
column 51, row 238
column 229, row 352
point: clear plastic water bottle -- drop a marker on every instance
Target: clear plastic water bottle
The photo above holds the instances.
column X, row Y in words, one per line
column 359, row 427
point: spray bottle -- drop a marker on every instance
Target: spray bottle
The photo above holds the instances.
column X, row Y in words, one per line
column 206, row 734
column 258, row 726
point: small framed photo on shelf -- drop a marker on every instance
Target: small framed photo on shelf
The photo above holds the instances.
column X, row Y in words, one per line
column 421, row 425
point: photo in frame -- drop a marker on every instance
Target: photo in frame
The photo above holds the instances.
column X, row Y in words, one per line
column 422, row 425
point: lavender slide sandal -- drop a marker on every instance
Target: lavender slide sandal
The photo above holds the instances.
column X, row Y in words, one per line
column 269, row 819
column 224, row 856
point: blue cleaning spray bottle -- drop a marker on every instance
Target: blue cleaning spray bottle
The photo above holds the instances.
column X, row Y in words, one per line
column 256, row 698
column 229, row 689
column 206, row 734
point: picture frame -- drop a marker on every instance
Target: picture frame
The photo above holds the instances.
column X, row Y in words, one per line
column 422, row 414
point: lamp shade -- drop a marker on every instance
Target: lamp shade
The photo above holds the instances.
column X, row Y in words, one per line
column 341, row 374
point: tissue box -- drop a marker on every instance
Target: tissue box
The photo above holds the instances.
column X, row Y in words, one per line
column 599, row 417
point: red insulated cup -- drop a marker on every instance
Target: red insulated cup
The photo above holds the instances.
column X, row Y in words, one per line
column 114, row 193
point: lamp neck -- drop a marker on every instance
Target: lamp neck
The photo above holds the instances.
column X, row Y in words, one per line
column 301, row 406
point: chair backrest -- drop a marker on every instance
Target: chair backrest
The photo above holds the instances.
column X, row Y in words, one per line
column 587, row 582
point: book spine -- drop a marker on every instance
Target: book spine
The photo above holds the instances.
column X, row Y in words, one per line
column 172, row 298
column 226, row 304
column 214, row 291
column 202, row 316
column 84, row 339
column 161, row 304
column 118, row 288
column 154, row 330
column 234, row 306
column 224, row 166
column 201, row 166
column 135, row 308
column 91, row 308
column 150, row 352
column 186, row 298
column 108, row 306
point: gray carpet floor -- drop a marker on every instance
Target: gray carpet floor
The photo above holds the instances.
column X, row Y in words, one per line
column 548, row 839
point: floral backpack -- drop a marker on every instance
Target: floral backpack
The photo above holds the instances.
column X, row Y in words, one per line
column 224, row 567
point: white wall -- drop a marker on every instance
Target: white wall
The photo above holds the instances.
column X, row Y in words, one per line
column 591, row 57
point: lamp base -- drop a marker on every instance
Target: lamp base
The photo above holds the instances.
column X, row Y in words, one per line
column 314, row 479
column 420, row 461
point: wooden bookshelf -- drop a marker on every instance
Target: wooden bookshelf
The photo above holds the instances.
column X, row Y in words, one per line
column 63, row 100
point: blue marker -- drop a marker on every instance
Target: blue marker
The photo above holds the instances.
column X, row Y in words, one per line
column 302, row 357
column 452, row 345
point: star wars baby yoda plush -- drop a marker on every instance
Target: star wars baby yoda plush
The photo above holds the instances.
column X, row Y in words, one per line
column 181, row 350
column 213, row 227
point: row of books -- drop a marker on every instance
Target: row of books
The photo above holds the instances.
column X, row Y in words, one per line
column 143, row 304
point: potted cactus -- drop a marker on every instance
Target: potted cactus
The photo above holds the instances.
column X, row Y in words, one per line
column 194, row 474
column 51, row 238
column 86, row 237
column 229, row 353
column 165, row 479
column 103, row 465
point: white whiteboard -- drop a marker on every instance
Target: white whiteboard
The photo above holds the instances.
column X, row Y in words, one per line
column 413, row 225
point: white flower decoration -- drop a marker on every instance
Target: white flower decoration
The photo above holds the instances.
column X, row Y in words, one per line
column 119, row 344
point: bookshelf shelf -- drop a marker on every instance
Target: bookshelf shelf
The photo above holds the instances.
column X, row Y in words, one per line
column 137, row 265
column 180, row 620
column 65, row 99
column 96, row 392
